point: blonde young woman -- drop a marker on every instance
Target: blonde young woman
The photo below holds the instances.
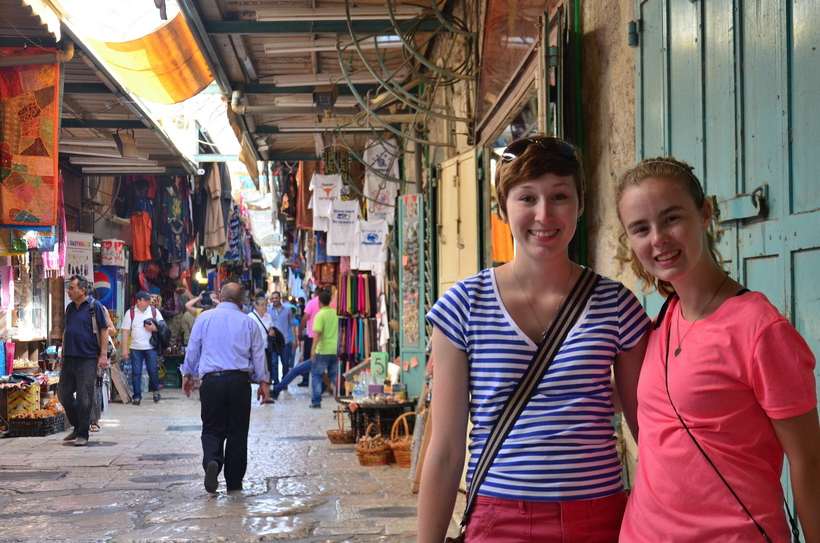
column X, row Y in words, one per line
column 557, row 476
column 727, row 383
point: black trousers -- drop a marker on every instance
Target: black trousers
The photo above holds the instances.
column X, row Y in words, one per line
column 226, row 414
column 76, row 391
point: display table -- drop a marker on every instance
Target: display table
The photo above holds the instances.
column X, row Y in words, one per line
column 381, row 414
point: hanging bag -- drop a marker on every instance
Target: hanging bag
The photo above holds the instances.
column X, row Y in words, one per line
column 568, row 314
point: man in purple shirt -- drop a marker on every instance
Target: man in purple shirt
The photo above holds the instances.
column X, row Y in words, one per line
column 227, row 351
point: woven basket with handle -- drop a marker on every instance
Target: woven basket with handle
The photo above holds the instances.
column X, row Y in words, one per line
column 401, row 440
column 373, row 450
column 340, row 435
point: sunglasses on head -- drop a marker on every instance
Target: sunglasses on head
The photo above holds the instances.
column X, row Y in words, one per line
column 549, row 144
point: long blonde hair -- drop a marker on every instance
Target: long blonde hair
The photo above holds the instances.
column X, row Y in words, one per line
column 676, row 170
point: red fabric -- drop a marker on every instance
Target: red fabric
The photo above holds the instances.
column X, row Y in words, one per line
column 141, row 236
column 495, row 520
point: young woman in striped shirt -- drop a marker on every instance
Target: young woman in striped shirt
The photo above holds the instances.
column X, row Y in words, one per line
column 557, row 476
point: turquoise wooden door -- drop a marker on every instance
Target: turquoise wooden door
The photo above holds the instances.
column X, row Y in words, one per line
column 733, row 88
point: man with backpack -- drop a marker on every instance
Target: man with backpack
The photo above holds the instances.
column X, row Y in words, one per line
column 144, row 326
column 85, row 343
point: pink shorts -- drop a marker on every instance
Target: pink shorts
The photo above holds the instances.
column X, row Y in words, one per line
column 515, row 521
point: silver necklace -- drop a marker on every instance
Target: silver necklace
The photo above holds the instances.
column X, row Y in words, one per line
column 532, row 307
column 678, row 349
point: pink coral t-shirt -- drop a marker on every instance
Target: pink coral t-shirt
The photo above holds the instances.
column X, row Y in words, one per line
column 311, row 308
column 738, row 368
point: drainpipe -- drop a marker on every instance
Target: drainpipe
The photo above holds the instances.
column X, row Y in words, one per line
column 59, row 56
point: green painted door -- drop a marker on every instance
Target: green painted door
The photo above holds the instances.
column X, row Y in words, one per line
column 733, row 88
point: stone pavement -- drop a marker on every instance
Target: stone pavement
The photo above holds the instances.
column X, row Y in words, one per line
column 140, row 479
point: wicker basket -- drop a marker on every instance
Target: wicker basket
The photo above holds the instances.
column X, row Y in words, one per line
column 373, row 450
column 340, row 436
column 37, row 427
column 401, row 440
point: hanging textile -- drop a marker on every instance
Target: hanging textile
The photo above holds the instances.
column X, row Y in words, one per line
column 357, row 294
column 344, row 216
column 503, row 250
column 304, row 213
column 54, row 260
column 173, row 231
column 325, row 189
column 370, row 251
column 215, row 237
column 141, row 225
column 29, row 121
column 357, row 339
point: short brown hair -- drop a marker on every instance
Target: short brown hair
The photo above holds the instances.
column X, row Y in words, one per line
column 539, row 156
column 675, row 170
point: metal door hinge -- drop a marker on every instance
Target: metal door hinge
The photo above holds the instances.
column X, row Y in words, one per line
column 744, row 206
column 633, row 35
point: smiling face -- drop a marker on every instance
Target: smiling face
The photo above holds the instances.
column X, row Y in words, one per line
column 543, row 214
column 664, row 227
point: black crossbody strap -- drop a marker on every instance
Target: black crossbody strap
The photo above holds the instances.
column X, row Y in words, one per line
column 792, row 521
column 267, row 330
column 554, row 337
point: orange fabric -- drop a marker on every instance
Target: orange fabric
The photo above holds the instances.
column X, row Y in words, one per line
column 165, row 66
column 304, row 215
column 503, row 250
column 29, row 121
column 141, row 236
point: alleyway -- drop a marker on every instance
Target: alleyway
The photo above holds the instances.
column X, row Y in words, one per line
column 140, row 480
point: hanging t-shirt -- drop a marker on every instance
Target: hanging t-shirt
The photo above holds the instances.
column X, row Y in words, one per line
column 325, row 188
column 383, row 156
column 344, row 215
column 371, row 249
column 381, row 197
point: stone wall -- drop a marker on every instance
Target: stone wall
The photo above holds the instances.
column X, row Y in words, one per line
column 609, row 122
column 609, row 129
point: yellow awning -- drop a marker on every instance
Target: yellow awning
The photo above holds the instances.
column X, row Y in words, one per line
column 165, row 66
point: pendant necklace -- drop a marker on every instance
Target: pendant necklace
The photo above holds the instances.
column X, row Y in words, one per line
column 680, row 316
column 532, row 307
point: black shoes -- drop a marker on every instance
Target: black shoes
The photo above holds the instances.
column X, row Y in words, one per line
column 136, row 401
column 156, row 397
column 303, row 384
column 211, row 473
column 71, row 437
column 315, row 406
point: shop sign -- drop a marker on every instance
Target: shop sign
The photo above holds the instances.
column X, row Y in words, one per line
column 79, row 256
column 113, row 253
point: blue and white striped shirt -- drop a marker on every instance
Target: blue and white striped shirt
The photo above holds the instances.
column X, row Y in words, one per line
column 562, row 447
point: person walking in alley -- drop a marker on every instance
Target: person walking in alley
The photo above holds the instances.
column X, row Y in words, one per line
column 727, row 385
column 138, row 324
column 325, row 348
column 227, row 352
column 273, row 338
column 526, row 351
column 85, row 348
column 283, row 319
column 306, row 331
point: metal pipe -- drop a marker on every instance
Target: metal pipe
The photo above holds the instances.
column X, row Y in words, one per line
column 397, row 90
column 373, row 114
column 432, row 66
column 59, row 56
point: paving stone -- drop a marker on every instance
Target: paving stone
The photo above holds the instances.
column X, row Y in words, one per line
column 143, row 482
